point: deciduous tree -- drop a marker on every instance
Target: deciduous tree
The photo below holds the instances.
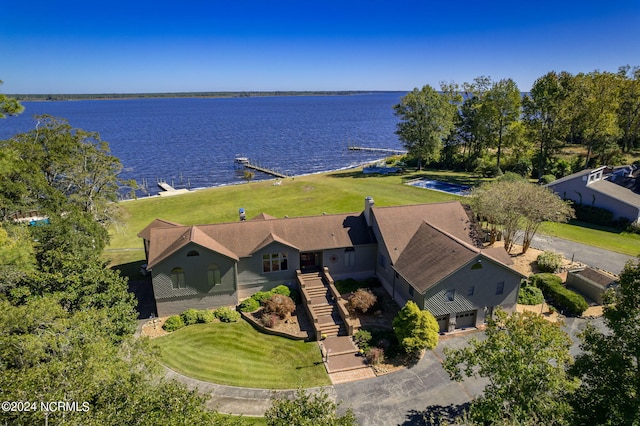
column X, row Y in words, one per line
column 516, row 206
column 499, row 110
column 524, row 357
column 426, row 119
column 609, row 366
column 629, row 111
column 307, row 409
column 61, row 166
column 544, row 108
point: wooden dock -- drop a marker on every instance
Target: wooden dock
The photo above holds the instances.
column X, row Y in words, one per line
column 385, row 150
column 271, row 172
column 165, row 186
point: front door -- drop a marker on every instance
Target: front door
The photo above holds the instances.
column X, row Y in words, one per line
column 310, row 261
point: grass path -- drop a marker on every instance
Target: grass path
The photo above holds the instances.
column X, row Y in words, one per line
column 236, row 355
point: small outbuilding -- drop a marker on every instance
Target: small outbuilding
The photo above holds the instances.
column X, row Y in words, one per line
column 590, row 282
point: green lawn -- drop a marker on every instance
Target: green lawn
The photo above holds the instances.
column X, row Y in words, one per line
column 237, row 355
column 336, row 192
column 606, row 238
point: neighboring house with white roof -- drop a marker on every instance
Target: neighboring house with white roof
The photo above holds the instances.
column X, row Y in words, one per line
column 616, row 190
column 423, row 253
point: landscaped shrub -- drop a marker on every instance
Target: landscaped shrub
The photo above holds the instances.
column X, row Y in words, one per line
column 249, row 305
column 269, row 320
column 282, row 289
column 279, row 305
column 530, row 295
column 416, row 328
column 545, row 179
column 226, row 314
column 190, row 316
column 361, row 300
column 375, row 356
column 347, row 286
column 173, row 323
column 558, row 295
column 549, row 261
column 262, row 296
column 593, row 214
column 206, row 316
column 362, row 339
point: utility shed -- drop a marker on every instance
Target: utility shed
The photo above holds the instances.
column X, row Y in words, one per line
column 590, row 282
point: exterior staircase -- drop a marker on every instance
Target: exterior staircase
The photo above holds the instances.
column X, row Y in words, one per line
column 322, row 302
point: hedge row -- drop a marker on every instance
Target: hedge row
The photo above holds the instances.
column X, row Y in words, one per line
column 194, row 316
column 560, row 296
column 254, row 302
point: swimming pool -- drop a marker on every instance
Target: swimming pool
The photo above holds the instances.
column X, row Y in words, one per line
column 437, row 185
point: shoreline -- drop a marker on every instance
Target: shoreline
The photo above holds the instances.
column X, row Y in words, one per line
column 183, row 191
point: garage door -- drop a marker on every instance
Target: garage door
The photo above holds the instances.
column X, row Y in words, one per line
column 443, row 323
column 466, row 319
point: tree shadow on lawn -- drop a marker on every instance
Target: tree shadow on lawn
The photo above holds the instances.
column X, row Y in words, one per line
column 437, row 415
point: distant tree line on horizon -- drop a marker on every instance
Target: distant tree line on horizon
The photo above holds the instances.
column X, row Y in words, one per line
column 169, row 95
column 491, row 126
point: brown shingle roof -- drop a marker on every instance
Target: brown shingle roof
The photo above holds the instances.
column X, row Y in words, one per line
column 432, row 255
column 399, row 224
column 263, row 216
column 242, row 239
column 166, row 241
column 157, row 223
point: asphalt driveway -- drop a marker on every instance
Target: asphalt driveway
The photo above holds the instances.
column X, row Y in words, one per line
column 415, row 395
column 592, row 256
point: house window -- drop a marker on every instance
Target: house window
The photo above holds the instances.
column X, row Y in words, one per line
column 349, row 256
column 410, row 291
column 382, row 261
column 471, row 290
column 274, row 262
column 477, row 265
column 177, row 278
column 213, row 275
column 450, row 295
column 193, row 253
column 500, row 287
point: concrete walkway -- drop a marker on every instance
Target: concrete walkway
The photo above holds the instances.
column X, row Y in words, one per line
column 238, row 400
column 591, row 256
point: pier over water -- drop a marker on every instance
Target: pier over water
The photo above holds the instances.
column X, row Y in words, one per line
column 384, row 150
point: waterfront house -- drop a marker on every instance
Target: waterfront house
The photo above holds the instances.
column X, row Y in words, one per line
column 423, row 253
column 617, row 190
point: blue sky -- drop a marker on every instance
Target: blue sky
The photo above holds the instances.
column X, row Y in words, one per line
column 244, row 45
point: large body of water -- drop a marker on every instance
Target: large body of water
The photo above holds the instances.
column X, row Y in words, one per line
column 193, row 142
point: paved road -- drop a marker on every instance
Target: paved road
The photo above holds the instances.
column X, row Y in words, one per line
column 592, row 256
